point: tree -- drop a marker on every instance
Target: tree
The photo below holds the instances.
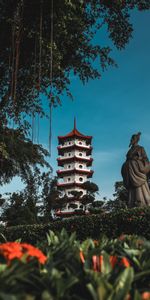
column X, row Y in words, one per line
column 18, row 155
column 33, row 204
column 120, row 198
column 121, row 193
column 15, row 211
column 91, row 189
column 29, row 43
column 50, row 196
column 27, row 70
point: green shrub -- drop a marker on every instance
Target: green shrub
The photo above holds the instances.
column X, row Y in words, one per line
column 127, row 221
column 115, row 269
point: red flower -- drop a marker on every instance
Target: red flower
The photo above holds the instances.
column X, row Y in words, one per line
column 125, row 262
column 82, row 257
column 97, row 262
column 14, row 250
column 146, row 296
column 34, row 252
column 11, row 250
column 122, row 237
column 94, row 259
column 113, row 260
column 95, row 242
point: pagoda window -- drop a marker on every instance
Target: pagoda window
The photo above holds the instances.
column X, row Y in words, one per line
column 69, row 166
column 80, row 143
column 80, row 154
column 69, row 154
column 80, row 179
column 69, row 179
column 80, row 166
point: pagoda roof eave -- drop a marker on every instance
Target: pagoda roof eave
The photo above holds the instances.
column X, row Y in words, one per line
column 69, row 147
column 69, row 184
column 61, row 173
column 74, row 158
column 75, row 133
column 61, row 161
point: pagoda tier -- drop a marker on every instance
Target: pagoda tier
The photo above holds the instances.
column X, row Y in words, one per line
column 62, row 173
column 74, row 150
column 64, row 185
column 61, row 213
column 63, row 160
column 74, row 134
column 65, row 148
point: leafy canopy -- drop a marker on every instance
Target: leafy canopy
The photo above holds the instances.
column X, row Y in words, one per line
column 19, row 156
column 28, row 43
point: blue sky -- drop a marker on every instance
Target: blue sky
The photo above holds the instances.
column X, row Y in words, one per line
column 110, row 109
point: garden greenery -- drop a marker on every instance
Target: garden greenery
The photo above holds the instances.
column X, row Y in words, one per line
column 128, row 221
column 99, row 269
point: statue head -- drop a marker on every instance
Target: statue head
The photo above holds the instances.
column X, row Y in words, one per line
column 134, row 139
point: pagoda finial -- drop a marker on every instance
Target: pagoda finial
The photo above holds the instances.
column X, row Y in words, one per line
column 75, row 124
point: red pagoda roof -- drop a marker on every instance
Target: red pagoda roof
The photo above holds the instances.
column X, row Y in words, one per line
column 60, row 173
column 61, row 149
column 69, row 184
column 62, row 160
column 70, row 213
column 75, row 133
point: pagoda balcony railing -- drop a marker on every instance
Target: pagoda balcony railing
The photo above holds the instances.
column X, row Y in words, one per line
column 74, row 170
column 75, row 156
column 70, row 183
column 74, row 143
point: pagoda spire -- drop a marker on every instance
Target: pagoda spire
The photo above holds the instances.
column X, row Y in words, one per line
column 75, row 127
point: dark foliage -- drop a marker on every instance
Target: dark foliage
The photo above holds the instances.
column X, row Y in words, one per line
column 127, row 221
column 25, row 48
column 18, row 155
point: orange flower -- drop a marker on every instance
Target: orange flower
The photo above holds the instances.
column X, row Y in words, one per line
column 146, row 296
column 82, row 257
column 97, row 262
column 14, row 250
column 122, row 237
column 113, row 260
column 11, row 250
column 100, row 262
column 94, row 259
column 125, row 262
column 34, row 252
column 95, row 242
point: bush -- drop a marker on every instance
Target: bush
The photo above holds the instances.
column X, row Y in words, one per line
column 69, row 270
column 127, row 221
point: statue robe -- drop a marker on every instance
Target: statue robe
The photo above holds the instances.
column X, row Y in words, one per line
column 134, row 173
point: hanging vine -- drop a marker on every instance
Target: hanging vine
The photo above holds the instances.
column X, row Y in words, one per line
column 17, row 30
column 51, row 77
column 72, row 48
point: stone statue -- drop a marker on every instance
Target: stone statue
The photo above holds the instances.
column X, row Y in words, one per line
column 134, row 172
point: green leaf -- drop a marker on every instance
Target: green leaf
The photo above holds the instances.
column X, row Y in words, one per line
column 3, row 267
column 137, row 295
column 104, row 289
column 47, row 296
column 123, row 284
column 106, row 266
column 92, row 291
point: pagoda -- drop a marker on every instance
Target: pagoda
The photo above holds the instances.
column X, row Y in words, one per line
column 75, row 163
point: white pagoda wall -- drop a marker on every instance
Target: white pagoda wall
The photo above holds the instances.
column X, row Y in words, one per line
column 72, row 153
column 76, row 165
column 74, row 177
column 75, row 141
